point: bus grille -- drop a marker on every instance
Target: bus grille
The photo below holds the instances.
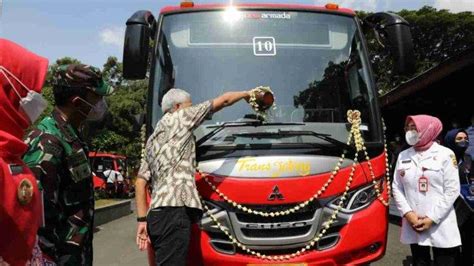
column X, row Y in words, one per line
column 275, row 235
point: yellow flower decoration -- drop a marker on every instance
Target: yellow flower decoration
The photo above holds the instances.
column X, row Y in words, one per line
column 353, row 117
column 253, row 100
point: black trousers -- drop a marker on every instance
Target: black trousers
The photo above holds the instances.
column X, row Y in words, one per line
column 169, row 229
column 466, row 240
column 442, row 256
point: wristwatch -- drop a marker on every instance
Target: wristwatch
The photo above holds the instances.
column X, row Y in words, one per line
column 141, row 219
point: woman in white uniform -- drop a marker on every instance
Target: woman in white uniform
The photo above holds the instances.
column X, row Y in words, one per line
column 425, row 186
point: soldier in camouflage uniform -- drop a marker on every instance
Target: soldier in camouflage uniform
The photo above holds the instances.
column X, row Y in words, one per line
column 59, row 159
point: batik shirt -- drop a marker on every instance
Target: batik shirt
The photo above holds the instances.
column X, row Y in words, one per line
column 169, row 163
column 58, row 158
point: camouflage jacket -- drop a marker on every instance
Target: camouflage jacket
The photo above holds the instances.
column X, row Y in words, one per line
column 59, row 159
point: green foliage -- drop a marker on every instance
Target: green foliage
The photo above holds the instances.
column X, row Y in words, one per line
column 121, row 133
column 113, row 71
column 99, row 194
column 437, row 35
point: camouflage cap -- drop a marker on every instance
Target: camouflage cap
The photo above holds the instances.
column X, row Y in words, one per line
column 85, row 76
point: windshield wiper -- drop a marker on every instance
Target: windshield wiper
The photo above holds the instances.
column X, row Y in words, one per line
column 255, row 123
column 286, row 133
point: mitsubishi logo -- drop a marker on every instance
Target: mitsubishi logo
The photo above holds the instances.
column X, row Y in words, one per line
column 275, row 194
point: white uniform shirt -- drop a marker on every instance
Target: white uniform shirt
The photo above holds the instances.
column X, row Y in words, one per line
column 119, row 177
column 440, row 167
column 111, row 175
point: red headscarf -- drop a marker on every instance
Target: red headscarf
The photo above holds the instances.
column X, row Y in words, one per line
column 428, row 127
column 18, row 223
column 31, row 70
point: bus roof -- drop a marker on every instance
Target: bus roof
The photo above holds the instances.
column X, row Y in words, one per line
column 104, row 154
column 276, row 7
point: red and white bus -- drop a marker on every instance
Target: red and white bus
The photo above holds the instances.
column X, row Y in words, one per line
column 102, row 164
column 263, row 177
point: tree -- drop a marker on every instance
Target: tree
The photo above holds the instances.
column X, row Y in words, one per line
column 113, row 71
column 120, row 132
column 437, row 35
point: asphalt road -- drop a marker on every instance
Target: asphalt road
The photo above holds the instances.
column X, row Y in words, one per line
column 397, row 253
column 114, row 245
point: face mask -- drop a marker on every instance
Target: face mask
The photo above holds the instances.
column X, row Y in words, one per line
column 33, row 104
column 462, row 144
column 412, row 137
column 97, row 111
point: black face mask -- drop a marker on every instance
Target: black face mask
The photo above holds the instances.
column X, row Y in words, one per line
column 463, row 144
column 460, row 147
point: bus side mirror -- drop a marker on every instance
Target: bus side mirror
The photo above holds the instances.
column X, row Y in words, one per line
column 393, row 32
column 141, row 27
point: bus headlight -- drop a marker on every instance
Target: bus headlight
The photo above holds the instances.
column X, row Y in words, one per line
column 358, row 198
column 219, row 213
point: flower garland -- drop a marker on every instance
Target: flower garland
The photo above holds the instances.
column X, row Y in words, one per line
column 369, row 164
column 355, row 120
column 311, row 244
column 143, row 139
column 387, row 177
column 285, row 212
column 253, row 100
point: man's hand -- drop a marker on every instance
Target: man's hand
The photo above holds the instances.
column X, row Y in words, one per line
column 412, row 218
column 142, row 236
column 247, row 95
column 423, row 224
column 140, row 196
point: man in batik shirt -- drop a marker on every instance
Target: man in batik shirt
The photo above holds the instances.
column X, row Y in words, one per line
column 169, row 165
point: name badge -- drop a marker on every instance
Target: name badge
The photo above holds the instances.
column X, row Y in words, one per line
column 423, row 184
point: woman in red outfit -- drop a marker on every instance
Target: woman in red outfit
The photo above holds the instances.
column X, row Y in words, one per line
column 22, row 74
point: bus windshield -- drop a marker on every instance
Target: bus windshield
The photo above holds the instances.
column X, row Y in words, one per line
column 315, row 63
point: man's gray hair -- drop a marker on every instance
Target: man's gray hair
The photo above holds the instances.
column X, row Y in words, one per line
column 172, row 97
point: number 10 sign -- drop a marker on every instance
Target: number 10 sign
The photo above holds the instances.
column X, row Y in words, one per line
column 264, row 46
